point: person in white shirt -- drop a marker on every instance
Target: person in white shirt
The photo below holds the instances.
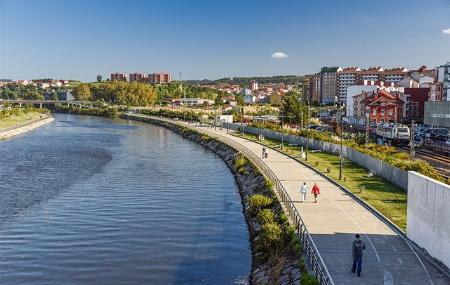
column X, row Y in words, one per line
column 303, row 190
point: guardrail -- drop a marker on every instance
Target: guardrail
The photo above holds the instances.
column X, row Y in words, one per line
column 309, row 247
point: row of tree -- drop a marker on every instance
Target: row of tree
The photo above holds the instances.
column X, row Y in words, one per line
column 117, row 92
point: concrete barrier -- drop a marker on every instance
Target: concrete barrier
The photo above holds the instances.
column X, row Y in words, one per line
column 428, row 217
column 395, row 175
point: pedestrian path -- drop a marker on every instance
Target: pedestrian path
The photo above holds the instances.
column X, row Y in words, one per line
column 336, row 218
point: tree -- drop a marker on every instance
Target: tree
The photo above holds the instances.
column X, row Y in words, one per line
column 82, row 92
column 99, row 78
column 54, row 96
column 292, row 107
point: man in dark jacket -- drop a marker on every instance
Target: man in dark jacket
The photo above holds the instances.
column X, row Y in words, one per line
column 358, row 247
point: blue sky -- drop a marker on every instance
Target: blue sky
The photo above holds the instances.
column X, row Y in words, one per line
column 79, row 39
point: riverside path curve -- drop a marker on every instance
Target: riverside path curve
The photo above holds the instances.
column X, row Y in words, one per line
column 332, row 223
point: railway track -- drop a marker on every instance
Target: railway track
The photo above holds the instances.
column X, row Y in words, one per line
column 440, row 162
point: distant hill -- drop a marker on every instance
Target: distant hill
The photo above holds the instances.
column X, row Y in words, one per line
column 243, row 81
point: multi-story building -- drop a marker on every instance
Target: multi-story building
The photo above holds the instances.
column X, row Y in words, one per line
column 435, row 93
column 253, row 85
column 159, row 78
column 315, row 88
column 382, row 106
column 328, row 85
column 119, row 76
column 443, row 76
column 345, row 78
column 372, row 74
column 141, row 77
column 394, row 75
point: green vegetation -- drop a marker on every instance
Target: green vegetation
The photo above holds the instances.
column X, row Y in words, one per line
column 377, row 192
column 13, row 91
column 294, row 109
column 174, row 90
column 15, row 116
column 96, row 111
column 243, row 81
column 388, row 154
column 116, row 92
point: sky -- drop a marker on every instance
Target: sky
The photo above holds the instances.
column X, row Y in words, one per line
column 210, row 39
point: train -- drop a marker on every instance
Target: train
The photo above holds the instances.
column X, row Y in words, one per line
column 395, row 134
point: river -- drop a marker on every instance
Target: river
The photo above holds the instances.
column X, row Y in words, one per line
column 88, row 200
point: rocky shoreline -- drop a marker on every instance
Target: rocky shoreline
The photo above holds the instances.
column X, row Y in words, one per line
column 250, row 182
column 25, row 128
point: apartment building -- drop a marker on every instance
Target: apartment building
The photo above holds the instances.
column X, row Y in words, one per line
column 394, row 75
column 119, row 76
column 141, row 77
column 372, row 74
column 253, row 85
column 328, row 85
column 159, row 78
column 345, row 78
column 443, row 76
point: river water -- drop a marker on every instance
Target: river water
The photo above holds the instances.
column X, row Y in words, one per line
column 88, row 200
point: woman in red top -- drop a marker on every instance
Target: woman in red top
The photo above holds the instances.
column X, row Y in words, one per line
column 316, row 191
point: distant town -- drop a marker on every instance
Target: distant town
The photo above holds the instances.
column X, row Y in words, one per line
column 383, row 94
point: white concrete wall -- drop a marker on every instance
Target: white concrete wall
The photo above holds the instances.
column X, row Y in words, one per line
column 428, row 220
column 383, row 169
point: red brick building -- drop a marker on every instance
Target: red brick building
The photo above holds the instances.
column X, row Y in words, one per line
column 158, row 78
column 119, row 76
column 382, row 106
column 418, row 97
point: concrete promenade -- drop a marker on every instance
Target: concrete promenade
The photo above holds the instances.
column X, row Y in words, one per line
column 336, row 218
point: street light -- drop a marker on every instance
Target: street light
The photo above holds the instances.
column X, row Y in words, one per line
column 341, row 158
column 307, row 132
column 367, row 124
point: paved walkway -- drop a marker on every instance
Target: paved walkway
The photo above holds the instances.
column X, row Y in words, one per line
column 334, row 221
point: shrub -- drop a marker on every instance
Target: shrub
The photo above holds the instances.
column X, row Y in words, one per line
column 307, row 279
column 239, row 163
column 258, row 202
column 265, row 216
column 270, row 236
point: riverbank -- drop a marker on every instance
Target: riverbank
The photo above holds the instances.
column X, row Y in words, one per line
column 23, row 128
column 284, row 269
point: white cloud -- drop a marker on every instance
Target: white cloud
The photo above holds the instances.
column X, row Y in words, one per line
column 446, row 31
column 279, row 54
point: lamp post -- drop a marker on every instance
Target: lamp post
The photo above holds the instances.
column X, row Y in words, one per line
column 412, row 150
column 367, row 124
column 307, row 132
column 341, row 157
column 282, row 133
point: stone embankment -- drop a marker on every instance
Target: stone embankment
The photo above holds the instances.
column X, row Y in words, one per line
column 250, row 182
column 20, row 129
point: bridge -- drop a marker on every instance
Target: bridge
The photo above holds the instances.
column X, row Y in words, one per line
column 327, row 228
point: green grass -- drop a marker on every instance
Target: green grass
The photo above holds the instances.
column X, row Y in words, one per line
column 19, row 118
column 387, row 198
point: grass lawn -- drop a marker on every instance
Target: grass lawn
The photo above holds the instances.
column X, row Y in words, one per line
column 18, row 119
column 387, row 198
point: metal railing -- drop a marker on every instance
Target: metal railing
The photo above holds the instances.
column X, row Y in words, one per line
column 309, row 248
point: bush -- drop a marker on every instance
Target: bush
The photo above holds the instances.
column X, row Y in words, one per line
column 270, row 236
column 308, row 279
column 239, row 163
column 265, row 216
column 258, row 202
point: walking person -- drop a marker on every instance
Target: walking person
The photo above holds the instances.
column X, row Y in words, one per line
column 316, row 191
column 357, row 248
column 303, row 190
column 263, row 152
